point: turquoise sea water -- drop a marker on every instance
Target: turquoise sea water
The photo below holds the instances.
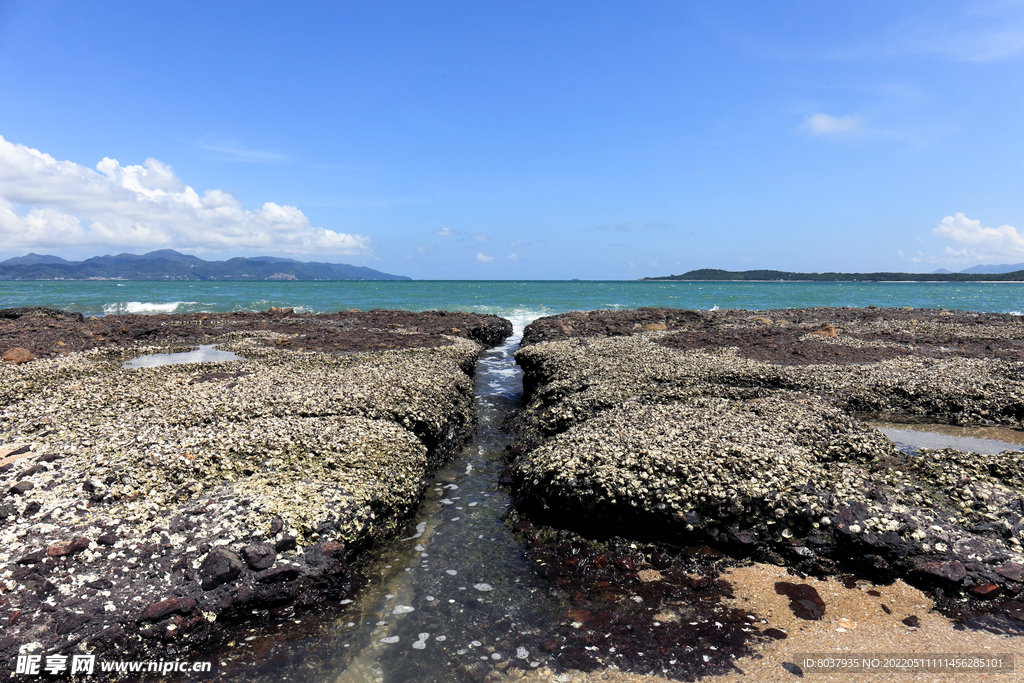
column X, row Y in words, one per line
column 518, row 300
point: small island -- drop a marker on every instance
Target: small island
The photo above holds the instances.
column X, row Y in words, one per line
column 715, row 274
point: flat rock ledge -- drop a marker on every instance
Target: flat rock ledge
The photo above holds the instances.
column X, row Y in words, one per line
column 142, row 511
column 685, row 427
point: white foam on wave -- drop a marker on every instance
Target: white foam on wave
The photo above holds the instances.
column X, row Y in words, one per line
column 520, row 317
column 144, row 307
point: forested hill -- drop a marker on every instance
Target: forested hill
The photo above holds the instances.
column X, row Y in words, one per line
column 168, row 264
column 782, row 275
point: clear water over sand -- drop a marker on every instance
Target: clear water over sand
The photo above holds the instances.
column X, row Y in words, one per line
column 206, row 353
column 989, row 440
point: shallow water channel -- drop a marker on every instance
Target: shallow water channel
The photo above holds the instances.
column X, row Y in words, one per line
column 450, row 602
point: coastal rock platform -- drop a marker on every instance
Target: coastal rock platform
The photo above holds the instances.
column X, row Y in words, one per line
column 144, row 510
column 746, row 431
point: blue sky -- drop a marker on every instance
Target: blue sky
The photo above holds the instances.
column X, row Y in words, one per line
column 518, row 139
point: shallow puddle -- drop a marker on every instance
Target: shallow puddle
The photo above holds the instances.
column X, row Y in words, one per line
column 988, row 440
column 206, row 353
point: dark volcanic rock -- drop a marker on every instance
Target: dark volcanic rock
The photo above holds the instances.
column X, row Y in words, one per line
column 743, row 430
column 949, row 571
column 334, row 429
column 278, row 574
column 21, row 488
column 803, row 599
column 163, row 608
column 220, row 566
column 343, row 332
column 259, row 555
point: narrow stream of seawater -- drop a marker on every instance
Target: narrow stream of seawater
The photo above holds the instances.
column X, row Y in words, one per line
column 455, row 600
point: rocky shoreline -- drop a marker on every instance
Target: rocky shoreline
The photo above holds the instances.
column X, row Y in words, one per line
column 744, row 430
column 145, row 511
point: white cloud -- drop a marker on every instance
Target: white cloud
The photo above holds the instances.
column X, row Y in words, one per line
column 445, row 232
column 977, row 242
column 825, row 124
column 483, row 258
column 49, row 203
column 996, row 37
column 481, row 237
column 231, row 151
column 513, row 257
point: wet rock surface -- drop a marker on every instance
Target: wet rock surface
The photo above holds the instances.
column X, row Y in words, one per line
column 640, row 608
column 145, row 511
column 686, row 427
column 862, row 335
column 44, row 333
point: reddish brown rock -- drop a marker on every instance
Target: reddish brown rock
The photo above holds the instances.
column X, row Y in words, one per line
column 986, row 591
column 72, row 547
column 159, row 610
column 1012, row 571
column 625, row 564
column 951, row 571
column 18, row 355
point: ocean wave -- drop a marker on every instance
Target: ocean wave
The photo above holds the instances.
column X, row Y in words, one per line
column 520, row 317
column 145, row 307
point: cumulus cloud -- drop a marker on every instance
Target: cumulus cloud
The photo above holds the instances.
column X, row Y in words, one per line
column 513, row 257
column 977, row 242
column 483, row 258
column 445, row 232
column 45, row 202
column 825, row 124
column 481, row 237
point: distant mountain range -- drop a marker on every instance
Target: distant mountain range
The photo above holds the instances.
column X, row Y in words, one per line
column 775, row 275
column 167, row 264
column 1005, row 268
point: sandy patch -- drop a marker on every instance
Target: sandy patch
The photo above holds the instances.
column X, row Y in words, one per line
column 854, row 622
column 5, row 453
